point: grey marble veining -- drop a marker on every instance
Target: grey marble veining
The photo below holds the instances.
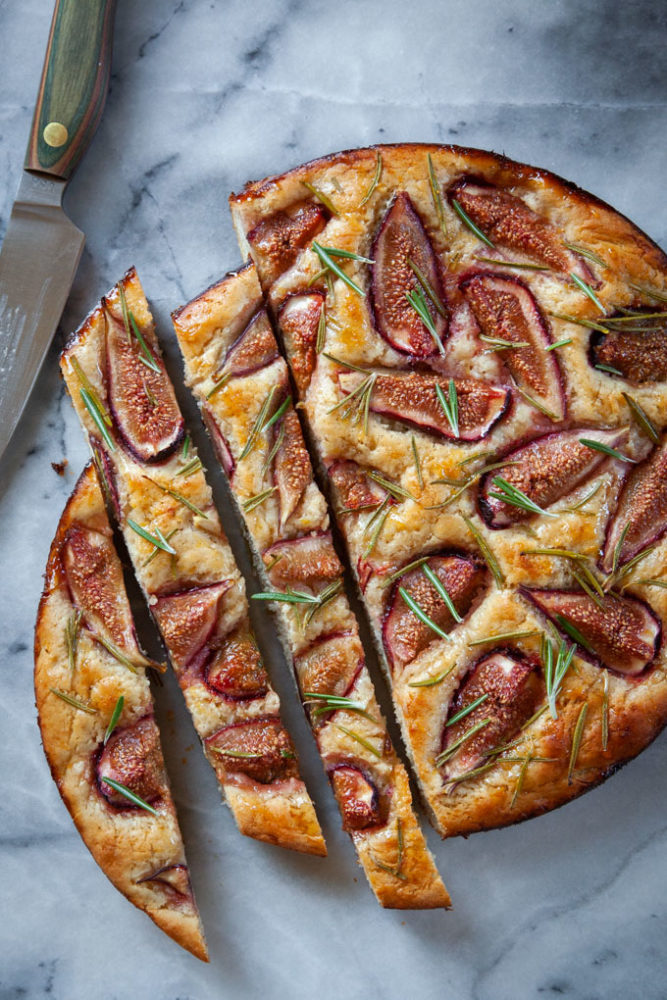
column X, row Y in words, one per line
column 205, row 95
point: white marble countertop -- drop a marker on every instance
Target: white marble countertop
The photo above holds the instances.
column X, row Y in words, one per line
column 204, row 95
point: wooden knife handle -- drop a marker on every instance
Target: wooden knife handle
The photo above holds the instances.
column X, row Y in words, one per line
column 74, row 85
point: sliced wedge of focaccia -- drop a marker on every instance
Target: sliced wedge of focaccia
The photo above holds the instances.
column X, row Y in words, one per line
column 241, row 382
column 182, row 559
column 96, row 717
column 481, row 350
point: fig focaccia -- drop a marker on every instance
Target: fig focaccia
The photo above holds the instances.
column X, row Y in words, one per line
column 183, row 562
column 481, row 352
column 241, row 382
column 96, row 718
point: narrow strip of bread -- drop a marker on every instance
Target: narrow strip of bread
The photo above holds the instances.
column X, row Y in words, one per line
column 459, row 328
column 233, row 366
column 183, row 562
column 96, row 718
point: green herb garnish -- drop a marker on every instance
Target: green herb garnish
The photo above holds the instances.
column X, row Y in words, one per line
column 467, row 710
column 131, row 327
column 605, row 710
column 576, row 741
column 465, row 218
column 559, row 343
column 258, row 499
column 258, row 426
column 509, row 263
column 584, row 287
column 321, row 197
column 442, row 591
column 437, row 197
column 113, row 721
column 91, row 404
column 69, row 699
column 124, row 790
column 556, row 665
column 428, row 287
column 330, row 264
column 421, row 614
column 417, row 299
column 605, row 449
column 219, row 384
column 503, row 636
column 158, row 539
column 359, row 739
column 486, row 551
column 516, row 498
column 449, row 752
column 585, row 252
column 449, row 404
column 334, row 703
column 642, row 418
column 374, row 182
column 72, row 637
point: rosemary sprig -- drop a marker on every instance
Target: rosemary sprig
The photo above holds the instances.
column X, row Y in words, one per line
column 576, row 741
column 475, row 772
column 608, row 368
column 158, row 539
column 258, row 499
column 520, row 780
column 113, row 721
column 442, row 591
column 333, row 703
column 573, row 632
column 405, row 569
column 374, row 183
column 288, row 596
column 356, row 405
column 590, row 324
column 584, row 287
column 194, row 465
column 605, row 710
column 275, row 448
column 641, row 418
column 437, row 197
column 449, row 752
column 618, row 549
column 427, row 286
column 321, row 197
column 620, row 574
column 498, row 344
column 417, row 299
column 72, row 638
column 187, row 441
column 449, row 404
column 419, row 612
column 179, row 498
column 582, row 503
column 320, row 340
column 98, row 418
column 85, row 382
column 149, row 395
column 486, row 551
column 416, row 460
column 467, row 710
column 536, row 403
column 585, row 252
column 650, row 292
column 559, row 343
column 240, row 754
column 378, row 520
column 503, row 636
column 129, row 795
column 330, row 264
column 131, row 327
column 163, row 538
column 346, row 254
column 432, row 681
column 605, row 449
column 393, row 489
column 584, row 581
column 467, row 221
column 359, row 739
column 511, row 263
column 220, row 383
column 556, row 665
column 69, row 699
column 258, row 426
column 118, row 653
column 516, row 498
column 394, row 870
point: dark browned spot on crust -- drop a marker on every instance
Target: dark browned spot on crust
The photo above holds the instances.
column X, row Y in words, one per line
column 277, row 240
column 299, row 321
column 357, row 798
column 188, row 620
column 261, row 750
column 640, row 355
column 642, row 509
column 236, row 670
column 95, row 581
column 292, row 470
column 303, row 562
column 254, row 349
column 355, row 490
column 133, row 758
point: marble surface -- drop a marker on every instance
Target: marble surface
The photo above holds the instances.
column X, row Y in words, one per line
column 204, row 95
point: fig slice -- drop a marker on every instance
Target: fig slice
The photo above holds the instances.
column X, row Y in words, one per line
column 506, row 310
column 508, row 222
column 95, row 581
column 292, row 471
column 259, row 749
column 276, row 241
column 510, row 685
column 236, row 670
column 402, row 240
column 355, row 489
column 412, row 399
column 637, row 351
column 623, row 635
column 331, row 664
column 188, row 620
column 133, row 758
column 544, row 470
column 141, row 397
column 255, row 348
column 299, row 321
column 640, row 517
column 174, row 878
column 218, row 440
column 357, row 798
column 403, row 633
column 309, row 562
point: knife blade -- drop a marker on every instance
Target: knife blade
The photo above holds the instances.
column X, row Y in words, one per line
column 42, row 247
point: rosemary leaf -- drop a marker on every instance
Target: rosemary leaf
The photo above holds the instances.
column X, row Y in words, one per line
column 327, row 595
column 576, row 741
column 219, row 384
column 321, row 197
column 559, row 343
column 186, row 447
column 510, row 263
column 346, row 254
column 158, row 541
column 129, row 794
column 650, row 292
column 486, row 551
column 113, row 721
column 258, row 426
column 379, row 519
column 536, row 403
column 503, row 636
column 428, row 287
column 85, row 382
column 607, row 368
column 132, row 328
column 417, row 299
column 194, row 465
column 437, row 197
column 584, row 287
column 516, row 498
column 396, row 869
column 393, row 489
column 605, row 710
column 405, row 569
column 585, row 252
column 442, row 591
column 240, row 754
column 605, row 449
column 285, row 596
column 72, row 638
column 252, row 502
column 415, row 457
column 467, row 710
column 642, row 418
column 334, row 702
column 327, row 260
column 359, row 739
column 449, row 404
column 573, row 632
column 374, row 183
column 69, row 699
column 163, row 538
column 179, row 498
column 432, row 681
column 449, row 752
column 421, row 614
column 321, row 330
column 467, row 221
column 97, row 416
column 520, row 780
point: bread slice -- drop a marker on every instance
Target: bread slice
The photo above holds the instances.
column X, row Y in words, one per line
column 182, row 559
column 458, row 326
column 233, row 366
column 96, row 718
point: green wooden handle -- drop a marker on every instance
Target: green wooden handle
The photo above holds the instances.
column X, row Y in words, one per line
column 74, row 85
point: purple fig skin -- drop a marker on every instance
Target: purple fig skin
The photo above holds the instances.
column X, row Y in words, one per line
column 188, row 620
column 513, row 690
column 639, row 355
column 292, row 469
column 505, row 308
column 299, row 320
column 272, row 757
column 307, row 562
column 219, row 441
column 174, row 878
column 235, row 669
column 357, row 798
column 277, row 240
column 106, row 475
column 142, row 401
column 547, row 469
column 642, row 505
column 133, row 758
column 401, row 239
column 624, row 636
column 412, row 399
column 254, row 349
column 356, row 491
column 508, row 221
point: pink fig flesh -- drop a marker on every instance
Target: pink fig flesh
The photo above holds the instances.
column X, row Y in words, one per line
column 623, row 634
column 506, row 310
column 292, row 471
column 142, row 399
column 188, row 621
column 355, row 489
column 508, row 682
column 236, row 670
column 276, row 241
column 641, row 515
column 638, row 352
column 255, row 348
column 299, row 321
column 309, row 562
column 133, row 758
column 545, row 470
column 404, row 634
column 330, row 665
column 412, row 399
column 402, row 240
column 357, row 798
column 260, row 749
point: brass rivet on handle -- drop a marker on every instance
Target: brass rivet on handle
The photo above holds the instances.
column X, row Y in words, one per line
column 55, row 134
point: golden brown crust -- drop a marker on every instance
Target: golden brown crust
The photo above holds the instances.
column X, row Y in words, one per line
column 633, row 266
column 392, row 851
column 127, row 843
column 160, row 497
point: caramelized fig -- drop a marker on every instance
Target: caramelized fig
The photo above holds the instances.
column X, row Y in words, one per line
column 622, row 634
column 637, row 352
column 355, row 489
column 404, row 635
column 188, row 620
column 303, row 562
column 105, row 474
column 299, row 321
column 508, row 682
column 260, row 749
column 255, row 348
column 641, row 515
column 277, row 240
column 331, row 664
column 236, row 670
column 133, row 758
column 219, row 441
column 402, row 240
column 292, row 471
column 174, row 878
column 357, row 798
column 141, row 396
column 509, row 222
column 506, row 310
column 545, row 470
column 413, row 400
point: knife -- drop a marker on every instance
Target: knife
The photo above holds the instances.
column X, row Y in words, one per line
column 42, row 247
